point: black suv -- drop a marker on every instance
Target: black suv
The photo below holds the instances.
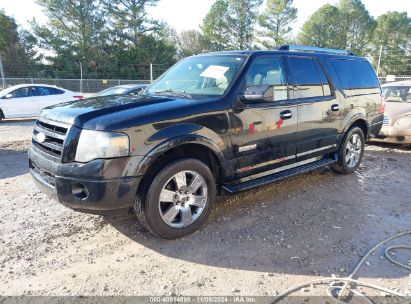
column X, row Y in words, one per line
column 214, row 123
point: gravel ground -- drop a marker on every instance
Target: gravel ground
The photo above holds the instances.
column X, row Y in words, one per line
column 258, row 243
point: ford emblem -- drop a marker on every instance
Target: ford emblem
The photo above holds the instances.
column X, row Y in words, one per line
column 41, row 137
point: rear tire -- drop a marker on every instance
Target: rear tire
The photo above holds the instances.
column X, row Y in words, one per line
column 176, row 200
column 1, row 115
column 351, row 151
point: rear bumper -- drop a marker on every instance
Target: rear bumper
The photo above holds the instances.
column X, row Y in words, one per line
column 82, row 187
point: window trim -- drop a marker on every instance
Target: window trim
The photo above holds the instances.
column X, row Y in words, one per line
column 282, row 102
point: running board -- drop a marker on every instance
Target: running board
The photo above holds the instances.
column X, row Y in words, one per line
column 234, row 188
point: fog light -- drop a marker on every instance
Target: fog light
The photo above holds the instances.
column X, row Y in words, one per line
column 79, row 191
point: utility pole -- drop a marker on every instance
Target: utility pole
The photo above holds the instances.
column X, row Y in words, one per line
column 81, row 77
column 151, row 72
column 81, row 74
column 379, row 62
column 3, row 78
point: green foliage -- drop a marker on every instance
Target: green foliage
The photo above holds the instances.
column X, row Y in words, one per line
column 393, row 33
column 215, row 26
column 230, row 24
column 345, row 26
column 11, row 47
column 129, row 21
column 275, row 22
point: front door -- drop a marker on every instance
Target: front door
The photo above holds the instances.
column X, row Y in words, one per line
column 319, row 115
column 19, row 103
column 264, row 132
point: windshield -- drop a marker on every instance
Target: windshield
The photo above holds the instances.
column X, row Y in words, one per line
column 397, row 94
column 203, row 75
column 113, row 91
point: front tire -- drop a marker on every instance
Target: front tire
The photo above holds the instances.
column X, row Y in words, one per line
column 351, row 151
column 177, row 200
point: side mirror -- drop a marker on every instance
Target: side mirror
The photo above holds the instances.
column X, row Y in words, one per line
column 258, row 93
column 8, row 96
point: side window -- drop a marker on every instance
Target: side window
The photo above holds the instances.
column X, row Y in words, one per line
column 42, row 91
column 55, row 91
column 355, row 74
column 306, row 77
column 22, row 92
column 268, row 71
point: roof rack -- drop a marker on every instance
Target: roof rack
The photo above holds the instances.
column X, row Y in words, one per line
column 303, row 48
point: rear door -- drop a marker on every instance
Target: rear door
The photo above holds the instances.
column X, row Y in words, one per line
column 266, row 133
column 47, row 96
column 319, row 110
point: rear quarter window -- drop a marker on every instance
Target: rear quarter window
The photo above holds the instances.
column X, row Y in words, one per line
column 355, row 75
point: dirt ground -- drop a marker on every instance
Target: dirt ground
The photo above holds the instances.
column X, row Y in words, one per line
column 258, row 243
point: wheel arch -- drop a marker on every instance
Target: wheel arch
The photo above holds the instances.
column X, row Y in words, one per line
column 193, row 146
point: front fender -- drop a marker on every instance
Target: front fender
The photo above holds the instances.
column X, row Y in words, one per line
column 177, row 135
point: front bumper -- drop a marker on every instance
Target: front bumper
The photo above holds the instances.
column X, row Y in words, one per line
column 394, row 135
column 100, row 186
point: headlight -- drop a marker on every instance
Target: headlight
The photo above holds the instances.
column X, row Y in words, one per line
column 98, row 144
column 404, row 121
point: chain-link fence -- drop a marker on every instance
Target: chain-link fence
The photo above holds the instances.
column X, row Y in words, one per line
column 96, row 85
column 388, row 79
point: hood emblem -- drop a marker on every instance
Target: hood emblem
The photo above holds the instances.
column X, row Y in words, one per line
column 41, row 137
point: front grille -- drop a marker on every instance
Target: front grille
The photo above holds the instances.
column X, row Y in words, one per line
column 54, row 136
column 387, row 121
column 45, row 176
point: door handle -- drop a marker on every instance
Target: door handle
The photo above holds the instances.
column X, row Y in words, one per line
column 286, row 115
column 335, row 107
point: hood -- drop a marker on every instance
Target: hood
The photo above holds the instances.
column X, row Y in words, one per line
column 116, row 112
column 396, row 110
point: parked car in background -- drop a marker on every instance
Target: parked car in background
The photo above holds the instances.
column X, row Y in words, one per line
column 129, row 89
column 27, row 100
column 397, row 119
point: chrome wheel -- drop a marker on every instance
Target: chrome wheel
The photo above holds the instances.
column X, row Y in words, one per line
column 353, row 151
column 183, row 199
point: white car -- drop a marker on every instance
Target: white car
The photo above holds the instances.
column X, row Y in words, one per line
column 27, row 100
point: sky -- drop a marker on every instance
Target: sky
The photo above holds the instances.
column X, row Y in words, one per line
column 188, row 14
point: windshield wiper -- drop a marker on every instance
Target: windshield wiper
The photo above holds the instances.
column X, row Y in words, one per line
column 172, row 92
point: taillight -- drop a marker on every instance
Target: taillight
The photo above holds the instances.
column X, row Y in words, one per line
column 382, row 107
column 78, row 97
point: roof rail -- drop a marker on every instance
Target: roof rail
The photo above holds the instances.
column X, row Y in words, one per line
column 303, row 48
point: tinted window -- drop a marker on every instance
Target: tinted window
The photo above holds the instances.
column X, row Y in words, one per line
column 46, row 91
column 355, row 74
column 306, row 77
column 22, row 92
column 268, row 71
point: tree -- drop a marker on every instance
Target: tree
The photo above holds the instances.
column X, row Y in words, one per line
column 230, row 24
column 393, row 34
column 215, row 26
column 129, row 20
column 346, row 26
column 242, row 16
column 357, row 25
column 190, row 43
column 322, row 29
column 275, row 22
column 76, row 31
column 15, row 59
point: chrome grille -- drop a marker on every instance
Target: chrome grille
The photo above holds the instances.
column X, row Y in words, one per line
column 54, row 136
column 387, row 121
